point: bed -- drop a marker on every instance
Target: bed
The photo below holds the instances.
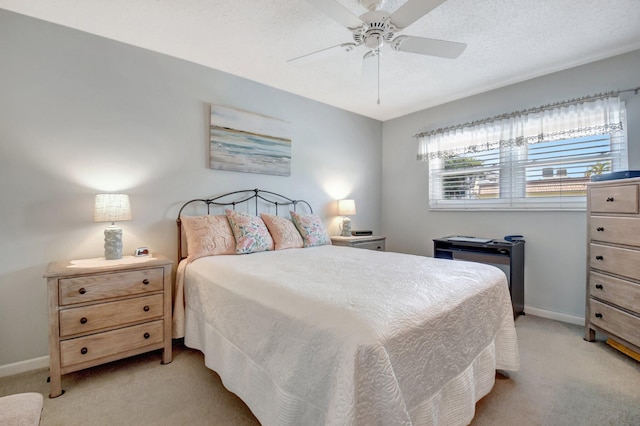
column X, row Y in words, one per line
column 328, row 335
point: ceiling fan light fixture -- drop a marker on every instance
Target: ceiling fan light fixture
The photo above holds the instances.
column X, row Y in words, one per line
column 372, row 4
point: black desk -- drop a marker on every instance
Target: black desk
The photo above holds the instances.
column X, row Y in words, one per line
column 494, row 251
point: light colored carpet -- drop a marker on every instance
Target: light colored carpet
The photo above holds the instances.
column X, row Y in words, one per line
column 563, row 380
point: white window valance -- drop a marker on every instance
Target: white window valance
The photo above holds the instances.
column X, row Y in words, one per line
column 592, row 115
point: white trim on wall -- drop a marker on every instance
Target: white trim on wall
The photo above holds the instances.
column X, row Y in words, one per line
column 558, row 316
column 24, row 366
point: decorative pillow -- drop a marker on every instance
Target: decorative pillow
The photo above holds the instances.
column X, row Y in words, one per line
column 208, row 235
column 311, row 229
column 250, row 231
column 284, row 232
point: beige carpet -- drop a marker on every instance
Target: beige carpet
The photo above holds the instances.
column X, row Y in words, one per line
column 563, row 380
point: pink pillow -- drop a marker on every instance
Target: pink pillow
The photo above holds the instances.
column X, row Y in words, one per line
column 250, row 231
column 311, row 229
column 284, row 232
column 208, row 236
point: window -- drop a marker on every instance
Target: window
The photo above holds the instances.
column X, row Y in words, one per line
column 537, row 159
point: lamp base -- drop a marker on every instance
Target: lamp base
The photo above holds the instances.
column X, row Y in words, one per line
column 112, row 243
column 346, row 227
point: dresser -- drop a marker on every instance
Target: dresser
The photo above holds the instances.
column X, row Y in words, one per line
column 370, row 242
column 613, row 262
column 104, row 310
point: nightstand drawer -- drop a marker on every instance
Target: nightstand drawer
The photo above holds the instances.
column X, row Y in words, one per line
column 617, row 260
column 614, row 199
column 369, row 245
column 101, row 345
column 105, row 286
column 87, row 319
column 614, row 290
column 626, row 326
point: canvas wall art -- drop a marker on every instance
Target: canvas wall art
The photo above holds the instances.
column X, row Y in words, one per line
column 242, row 141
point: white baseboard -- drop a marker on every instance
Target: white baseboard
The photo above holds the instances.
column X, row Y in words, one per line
column 23, row 366
column 571, row 319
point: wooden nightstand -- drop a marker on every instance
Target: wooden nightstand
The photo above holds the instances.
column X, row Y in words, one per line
column 104, row 310
column 371, row 242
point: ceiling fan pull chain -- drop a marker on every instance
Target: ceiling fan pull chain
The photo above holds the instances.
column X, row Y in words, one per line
column 378, row 52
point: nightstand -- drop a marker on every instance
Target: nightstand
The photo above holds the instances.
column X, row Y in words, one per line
column 103, row 310
column 371, row 242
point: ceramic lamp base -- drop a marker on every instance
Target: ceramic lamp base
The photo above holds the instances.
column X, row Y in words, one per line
column 113, row 243
column 346, row 227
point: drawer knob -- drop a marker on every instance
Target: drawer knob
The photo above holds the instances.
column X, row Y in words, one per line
column 600, row 229
column 598, row 315
column 84, row 351
column 147, row 335
column 145, row 281
column 82, row 290
column 146, row 309
column 83, row 320
column 599, row 286
column 610, row 200
column 599, row 257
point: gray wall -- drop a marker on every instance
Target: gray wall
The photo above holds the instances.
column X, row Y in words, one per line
column 80, row 114
column 555, row 267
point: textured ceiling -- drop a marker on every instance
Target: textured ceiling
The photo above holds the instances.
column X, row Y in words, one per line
column 507, row 41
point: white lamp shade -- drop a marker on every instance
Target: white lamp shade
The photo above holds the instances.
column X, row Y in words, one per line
column 346, row 207
column 112, row 208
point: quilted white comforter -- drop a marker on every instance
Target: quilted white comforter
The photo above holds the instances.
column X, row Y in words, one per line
column 340, row 336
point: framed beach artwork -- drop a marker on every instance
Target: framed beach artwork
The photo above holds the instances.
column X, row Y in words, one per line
column 242, row 141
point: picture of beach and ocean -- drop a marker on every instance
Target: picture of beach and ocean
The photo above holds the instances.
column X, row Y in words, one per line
column 242, row 141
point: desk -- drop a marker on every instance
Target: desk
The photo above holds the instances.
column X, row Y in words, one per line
column 489, row 251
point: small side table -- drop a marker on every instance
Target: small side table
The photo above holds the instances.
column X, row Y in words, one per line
column 103, row 310
column 370, row 242
column 500, row 252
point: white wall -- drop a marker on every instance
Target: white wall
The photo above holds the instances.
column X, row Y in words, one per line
column 80, row 114
column 555, row 264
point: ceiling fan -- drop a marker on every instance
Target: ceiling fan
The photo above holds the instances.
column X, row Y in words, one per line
column 376, row 27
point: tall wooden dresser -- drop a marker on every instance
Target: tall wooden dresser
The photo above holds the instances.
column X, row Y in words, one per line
column 613, row 262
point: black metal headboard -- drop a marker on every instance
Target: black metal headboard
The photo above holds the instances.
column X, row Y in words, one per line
column 235, row 198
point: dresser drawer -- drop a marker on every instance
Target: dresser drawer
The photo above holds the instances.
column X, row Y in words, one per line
column 100, row 345
column 618, row 322
column 614, row 290
column 369, row 245
column 87, row 319
column 617, row 260
column 614, row 199
column 105, row 286
column 617, row 230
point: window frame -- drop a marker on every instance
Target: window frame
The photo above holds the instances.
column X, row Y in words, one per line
column 618, row 152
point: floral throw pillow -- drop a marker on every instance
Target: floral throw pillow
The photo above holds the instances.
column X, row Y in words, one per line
column 250, row 232
column 311, row 229
column 284, row 232
column 208, row 235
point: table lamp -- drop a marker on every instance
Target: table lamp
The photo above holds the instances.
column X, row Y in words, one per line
column 112, row 208
column 346, row 208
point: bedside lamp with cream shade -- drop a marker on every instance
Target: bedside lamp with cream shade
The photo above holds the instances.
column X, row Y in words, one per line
column 346, row 208
column 112, row 208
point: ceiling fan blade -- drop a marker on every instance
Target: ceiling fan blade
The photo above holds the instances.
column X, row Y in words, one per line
column 428, row 46
column 321, row 54
column 337, row 12
column 413, row 10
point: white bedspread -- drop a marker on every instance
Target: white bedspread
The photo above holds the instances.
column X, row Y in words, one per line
column 341, row 336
